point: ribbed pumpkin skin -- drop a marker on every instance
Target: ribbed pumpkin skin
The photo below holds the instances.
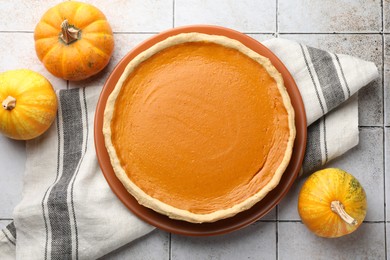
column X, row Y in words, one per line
column 36, row 104
column 315, row 198
column 80, row 59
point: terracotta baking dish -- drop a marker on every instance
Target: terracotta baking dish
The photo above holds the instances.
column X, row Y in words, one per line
column 226, row 225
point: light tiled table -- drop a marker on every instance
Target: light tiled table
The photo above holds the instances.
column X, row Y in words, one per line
column 356, row 27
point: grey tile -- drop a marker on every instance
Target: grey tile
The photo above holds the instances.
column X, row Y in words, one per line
column 137, row 15
column 371, row 104
column 270, row 216
column 329, row 16
column 245, row 15
column 364, row 46
column 386, row 15
column 126, row 42
column 388, row 238
column 257, row 241
column 261, row 36
column 367, row 47
column 17, row 51
column 12, row 161
column 123, row 16
column 288, row 207
column 365, row 162
column 23, row 15
column 152, row 246
column 297, row 242
column 387, row 79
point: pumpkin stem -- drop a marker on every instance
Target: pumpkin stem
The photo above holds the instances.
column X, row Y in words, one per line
column 69, row 33
column 9, row 103
column 338, row 208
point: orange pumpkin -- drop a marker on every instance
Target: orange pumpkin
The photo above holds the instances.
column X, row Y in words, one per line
column 74, row 40
column 332, row 203
column 29, row 104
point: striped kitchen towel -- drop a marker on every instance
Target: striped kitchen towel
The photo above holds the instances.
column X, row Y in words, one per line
column 68, row 210
column 325, row 81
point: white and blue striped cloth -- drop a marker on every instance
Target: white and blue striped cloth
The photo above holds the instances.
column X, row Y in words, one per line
column 68, row 210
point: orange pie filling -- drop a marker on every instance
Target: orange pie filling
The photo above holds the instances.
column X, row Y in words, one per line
column 200, row 127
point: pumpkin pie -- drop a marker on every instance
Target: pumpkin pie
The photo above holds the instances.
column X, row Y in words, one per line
column 199, row 127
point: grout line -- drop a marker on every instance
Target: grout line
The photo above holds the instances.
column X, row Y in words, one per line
column 248, row 32
column 16, row 31
column 289, row 221
column 135, row 32
column 300, row 221
column 277, row 234
column 319, row 33
column 278, row 221
column 267, row 220
column 6, row 219
column 383, row 122
column 371, row 126
column 170, row 247
column 267, row 33
column 332, row 33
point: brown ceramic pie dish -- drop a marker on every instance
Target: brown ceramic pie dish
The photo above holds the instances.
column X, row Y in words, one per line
column 226, row 225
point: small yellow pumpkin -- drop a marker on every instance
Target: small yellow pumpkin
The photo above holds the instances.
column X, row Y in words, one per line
column 74, row 40
column 29, row 104
column 332, row 203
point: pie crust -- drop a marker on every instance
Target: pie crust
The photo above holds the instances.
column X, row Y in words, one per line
column 196, row 214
